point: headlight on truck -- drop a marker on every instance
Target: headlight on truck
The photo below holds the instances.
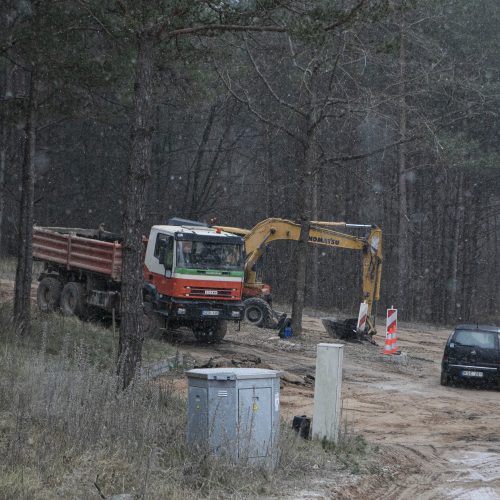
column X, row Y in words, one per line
column 235, row 314
column 181, row 310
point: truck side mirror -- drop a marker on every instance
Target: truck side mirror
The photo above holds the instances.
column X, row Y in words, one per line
column 167, row 262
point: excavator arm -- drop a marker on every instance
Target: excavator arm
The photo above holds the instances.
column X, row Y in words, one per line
column 320, row 233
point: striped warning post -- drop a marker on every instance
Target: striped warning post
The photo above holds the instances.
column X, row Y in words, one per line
column 362, row 317
column 391, row 336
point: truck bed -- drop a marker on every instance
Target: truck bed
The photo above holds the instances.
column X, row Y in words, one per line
column 69, row 248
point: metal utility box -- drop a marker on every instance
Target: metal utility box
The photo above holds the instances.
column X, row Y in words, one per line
column 234, row 412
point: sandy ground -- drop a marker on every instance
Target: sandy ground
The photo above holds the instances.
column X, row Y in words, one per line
column 437, row 442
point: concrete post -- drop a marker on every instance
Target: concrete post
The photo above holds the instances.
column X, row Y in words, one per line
column 328, row 384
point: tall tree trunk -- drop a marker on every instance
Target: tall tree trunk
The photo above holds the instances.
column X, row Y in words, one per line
column 418, row 250
column 5, row 138
column 315, row 250
column 3, row 165
column 196, row 167
column 472, row 256
column 403, row 244
column 300, row 278
column 270, row 174
column 458, row 210
column 435, row 248
column 138, row 175
column 494, row 288
column 22, row 291
column 309, row 163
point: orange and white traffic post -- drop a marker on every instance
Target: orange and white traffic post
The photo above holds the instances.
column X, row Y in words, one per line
column 362, row 317
column 391, row 336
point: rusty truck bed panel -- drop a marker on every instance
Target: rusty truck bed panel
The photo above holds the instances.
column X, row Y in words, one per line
column 75, row 252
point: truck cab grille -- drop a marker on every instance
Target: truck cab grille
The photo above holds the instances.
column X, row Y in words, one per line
column 214, row 293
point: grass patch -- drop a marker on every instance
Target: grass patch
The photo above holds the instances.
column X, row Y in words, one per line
column 352, row 451
column 55, row 334
column 8, row 267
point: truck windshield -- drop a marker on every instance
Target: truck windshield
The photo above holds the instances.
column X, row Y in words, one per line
column 209, row 255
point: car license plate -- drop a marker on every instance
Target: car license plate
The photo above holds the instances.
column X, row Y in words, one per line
column 210, row 313
column 469, row 373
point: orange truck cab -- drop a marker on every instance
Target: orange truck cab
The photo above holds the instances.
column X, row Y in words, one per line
column 194, row 273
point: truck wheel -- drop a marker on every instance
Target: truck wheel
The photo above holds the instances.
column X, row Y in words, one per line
column 48, row 295
column 210, row 332
column 152, row 322
column 257, row 312
column 73, row 299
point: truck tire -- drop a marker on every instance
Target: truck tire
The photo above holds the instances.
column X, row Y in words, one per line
column 73, row 300
column 210, row 332
column 258, row 312
column 269, row 299
column 152, row 323
column 48, row 295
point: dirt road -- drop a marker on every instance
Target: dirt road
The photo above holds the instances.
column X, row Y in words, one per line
column 441, row 442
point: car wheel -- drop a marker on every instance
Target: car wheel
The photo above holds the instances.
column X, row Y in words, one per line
column 445, row 378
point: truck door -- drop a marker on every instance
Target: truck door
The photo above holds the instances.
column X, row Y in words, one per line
column 164, row 252
column 160, row 262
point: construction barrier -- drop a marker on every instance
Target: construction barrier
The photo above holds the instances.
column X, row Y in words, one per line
column 391, row 336
column 362, row 317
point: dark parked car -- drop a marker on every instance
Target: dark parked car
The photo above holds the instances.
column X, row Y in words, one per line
column 472, row 353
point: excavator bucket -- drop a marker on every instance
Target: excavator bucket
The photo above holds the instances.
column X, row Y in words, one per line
column 344, row 329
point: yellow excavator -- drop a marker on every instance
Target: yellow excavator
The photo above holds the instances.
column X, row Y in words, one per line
column 257, row 295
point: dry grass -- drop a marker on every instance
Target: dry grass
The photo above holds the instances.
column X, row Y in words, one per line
column 66, row 431
column 58, row 332
column 8, row 268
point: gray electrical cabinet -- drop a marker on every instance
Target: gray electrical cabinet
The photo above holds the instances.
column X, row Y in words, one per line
column 234, row 412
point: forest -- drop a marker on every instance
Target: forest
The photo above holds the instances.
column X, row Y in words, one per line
column 126, row 113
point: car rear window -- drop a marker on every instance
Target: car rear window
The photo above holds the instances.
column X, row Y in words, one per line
column 475, row 338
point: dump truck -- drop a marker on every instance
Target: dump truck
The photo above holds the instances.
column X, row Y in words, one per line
column 257, row 294
column 193, row 275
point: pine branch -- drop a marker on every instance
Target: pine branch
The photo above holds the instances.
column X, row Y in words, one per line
column 346, row 18
column 246, row 102
column 360, row 156
column 225, row 27
column 293, row 108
